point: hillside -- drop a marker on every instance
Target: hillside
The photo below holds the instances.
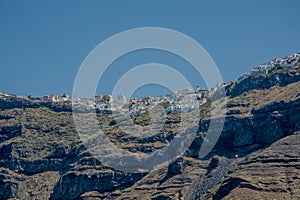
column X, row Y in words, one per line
column 256, row 156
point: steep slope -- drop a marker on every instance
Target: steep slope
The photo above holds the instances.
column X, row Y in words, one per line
column 271, row 173
column 265, row 116
column 42, row 157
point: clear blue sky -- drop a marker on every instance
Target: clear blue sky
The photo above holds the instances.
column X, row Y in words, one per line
column 43, row 43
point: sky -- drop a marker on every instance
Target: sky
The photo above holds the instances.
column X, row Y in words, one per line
column 43, row 43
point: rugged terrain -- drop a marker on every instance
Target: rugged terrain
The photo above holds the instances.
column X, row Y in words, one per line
column 256, row 157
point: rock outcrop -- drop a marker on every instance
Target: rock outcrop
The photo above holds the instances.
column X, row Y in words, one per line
column 271, row 173
column 42, row 157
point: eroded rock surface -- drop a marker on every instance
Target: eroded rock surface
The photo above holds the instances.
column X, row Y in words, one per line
column 42, row 157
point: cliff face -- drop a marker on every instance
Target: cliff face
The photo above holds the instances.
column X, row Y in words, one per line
column 41, row 156
column 271, row 173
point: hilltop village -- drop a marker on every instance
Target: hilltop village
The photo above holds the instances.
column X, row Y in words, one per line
column 266, row 68
column 181, row 101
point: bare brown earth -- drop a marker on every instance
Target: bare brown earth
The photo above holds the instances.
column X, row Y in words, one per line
column 256, row 157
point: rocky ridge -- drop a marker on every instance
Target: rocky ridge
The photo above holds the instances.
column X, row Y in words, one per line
column 43, row 158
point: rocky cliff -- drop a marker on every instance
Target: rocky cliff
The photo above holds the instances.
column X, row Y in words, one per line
column 257, row 154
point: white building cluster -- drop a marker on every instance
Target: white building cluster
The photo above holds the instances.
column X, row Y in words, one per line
column 6, row 96
column 43, row 99
column 181, row 101
column 187, row 100
column 266, row 68
column 55, row 98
